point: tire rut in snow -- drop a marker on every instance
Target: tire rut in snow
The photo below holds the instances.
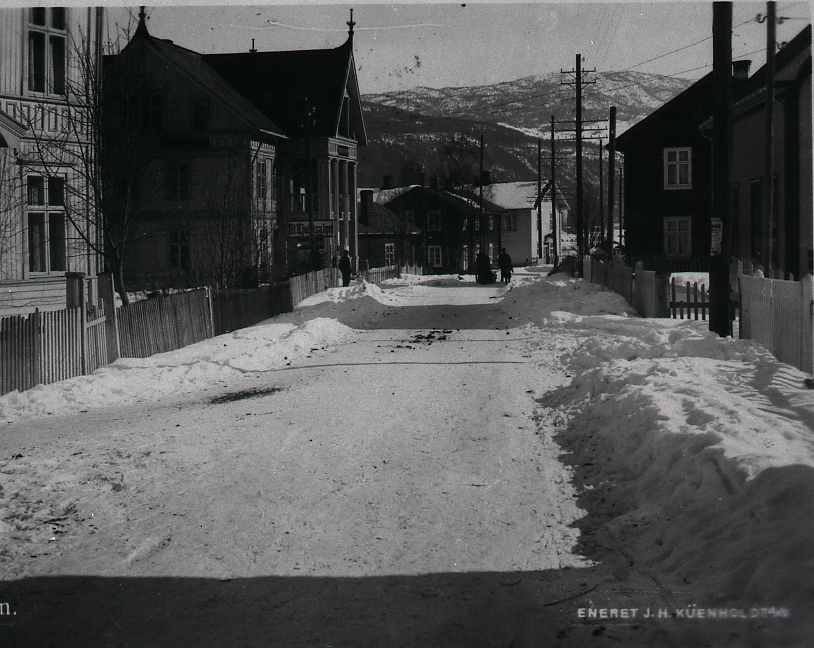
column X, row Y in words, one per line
column 244, row 394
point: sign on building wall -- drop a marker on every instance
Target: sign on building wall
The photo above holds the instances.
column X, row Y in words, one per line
column 717, row 232
column 301, row 228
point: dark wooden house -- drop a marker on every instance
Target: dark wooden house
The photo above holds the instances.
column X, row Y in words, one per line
column 386, row 237
column 452, row 224
column 234, row 167
column 668, row 203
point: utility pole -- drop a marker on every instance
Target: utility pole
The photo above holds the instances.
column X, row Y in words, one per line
column 622, row 241
column 601, row 199
column 767, row 233
column 480, row 202
column 309, row 185
column 719, row 318
column 578, row 82
column 554, row 227
column 540, row 203
column 611, row 178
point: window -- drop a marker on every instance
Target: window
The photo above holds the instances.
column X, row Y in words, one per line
column 178, row 181
column 36, row 190
column 465, row 225
column 677, row 232
column 491, row 222
column 465, row 258
column 433, row 221
column 200, row 116
column 510, row 222
column 47, row 242
column 261, row 186
column 389, row 254
column 179, row 250
column 493, row 253
column 434, row 255
column 677, row 168
column 46, row 66
column 147, row 112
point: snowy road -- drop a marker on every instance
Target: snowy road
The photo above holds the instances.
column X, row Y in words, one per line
column 416, row 465
column 399, row 452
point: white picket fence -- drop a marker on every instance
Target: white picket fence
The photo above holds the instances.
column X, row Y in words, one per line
column 778, row 315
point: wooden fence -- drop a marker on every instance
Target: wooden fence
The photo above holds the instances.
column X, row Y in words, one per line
column 46, row 347
column 164, row 323
column 643, row 289
column 236, row 309
column 303, row 286
column 41, row 348
column 377, row 275
column 778, row 315
column 695, row 300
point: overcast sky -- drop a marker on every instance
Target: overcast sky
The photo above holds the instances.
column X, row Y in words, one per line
column 454, row 44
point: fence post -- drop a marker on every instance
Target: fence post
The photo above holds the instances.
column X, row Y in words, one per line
column 807, row 316
column 75, row 297
column 108, row 297
column 36, row 347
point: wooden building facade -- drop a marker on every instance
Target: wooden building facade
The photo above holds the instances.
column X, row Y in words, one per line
column 49, row 222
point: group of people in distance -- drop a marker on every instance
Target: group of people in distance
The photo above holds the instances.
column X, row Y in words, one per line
column 483, row 266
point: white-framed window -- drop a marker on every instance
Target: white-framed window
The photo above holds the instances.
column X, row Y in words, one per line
column 491, row 222
column 510, row 222
column 434, row 256
column 179, row 249
column 677, row 236
column 46, row 49
column 464, row 223
column 465, row 258
column 433, row 221
column 678, row 168
column 47, row 238
column 389, row 254
column 493, row 253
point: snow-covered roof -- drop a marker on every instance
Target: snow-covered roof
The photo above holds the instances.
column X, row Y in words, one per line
column 512, row 195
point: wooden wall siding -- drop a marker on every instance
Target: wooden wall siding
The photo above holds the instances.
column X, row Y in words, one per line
column 164, row 323
column 19, row 297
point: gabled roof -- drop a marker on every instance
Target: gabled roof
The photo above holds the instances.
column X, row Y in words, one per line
column 278, row 84
column 191, row 64
column 687, row 109
column 516, row 195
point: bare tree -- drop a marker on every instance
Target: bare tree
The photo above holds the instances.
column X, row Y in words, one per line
column 458, row 158
column 96, row 138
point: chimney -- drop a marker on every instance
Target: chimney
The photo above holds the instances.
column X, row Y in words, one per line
column 740, row 70
column 434, row 183
column 387, row 182
column 367, row 206
column 486, row 178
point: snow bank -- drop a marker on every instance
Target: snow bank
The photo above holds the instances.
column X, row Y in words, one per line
column 690, row 451
column 185, row 371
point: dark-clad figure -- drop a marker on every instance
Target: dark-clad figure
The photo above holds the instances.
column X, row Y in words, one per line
column 484, row 268
column 504, row 262
column 344, row 268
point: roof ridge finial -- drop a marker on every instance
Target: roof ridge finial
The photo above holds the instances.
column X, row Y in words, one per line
column 141, row 28
column 350, row 24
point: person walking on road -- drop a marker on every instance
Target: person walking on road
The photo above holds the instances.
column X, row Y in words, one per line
column 504, row 262
column 344, row 268
column 484, row 268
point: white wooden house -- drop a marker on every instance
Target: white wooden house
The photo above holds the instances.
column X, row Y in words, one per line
column 47, row 218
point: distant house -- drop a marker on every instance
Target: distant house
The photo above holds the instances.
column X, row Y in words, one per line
column 238, row 154
column 792, row 244
column 386, row 237
column 48, row 218
column 667, row 183
column 450, row 222
column 521, row 235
